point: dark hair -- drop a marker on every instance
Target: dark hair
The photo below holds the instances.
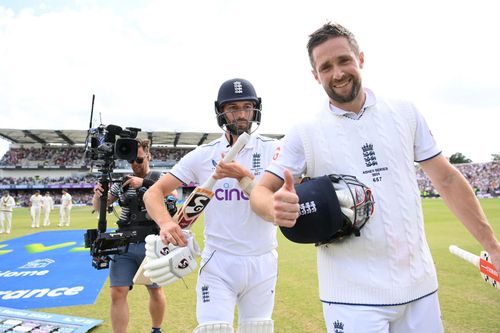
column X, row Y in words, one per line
column 328, row 31
column 144, row 143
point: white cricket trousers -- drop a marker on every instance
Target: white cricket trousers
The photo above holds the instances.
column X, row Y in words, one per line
column 46, row 217
column 422, row 315
column 35, row 216
column 5, row 216
column 65, row 213
column 226, row 281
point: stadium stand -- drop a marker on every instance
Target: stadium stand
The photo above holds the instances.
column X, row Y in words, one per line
column 484, row 178
column 50, row 160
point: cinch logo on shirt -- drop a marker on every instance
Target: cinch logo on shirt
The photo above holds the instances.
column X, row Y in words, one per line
column 229, row 194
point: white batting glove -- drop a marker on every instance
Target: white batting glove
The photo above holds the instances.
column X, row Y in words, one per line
column 169, row 263
column 346, row 203
column 155, row 248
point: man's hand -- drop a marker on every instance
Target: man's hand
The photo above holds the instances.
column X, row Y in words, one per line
column 98, row 190
column 133, row 181
column 495, row 258
column 230, row 170
column 286, row 203
column 171, row 233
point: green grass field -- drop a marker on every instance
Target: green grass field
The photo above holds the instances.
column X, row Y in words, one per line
column 467, row 304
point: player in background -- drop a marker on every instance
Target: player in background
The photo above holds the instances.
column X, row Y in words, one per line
column 7, row 204
column 65, row 209
column 384, row 280
column 48, row 205
column 36, row 203
column 239, row 262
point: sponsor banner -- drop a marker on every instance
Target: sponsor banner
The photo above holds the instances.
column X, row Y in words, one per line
column 47, row 186
column 48, row 269
column 15, row 320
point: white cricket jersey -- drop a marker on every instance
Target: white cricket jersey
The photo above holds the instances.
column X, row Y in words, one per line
column 48, row 203
column 66, row 200
column 36, row 201
column 7, row 203
column 390, row 263
column 230, row 224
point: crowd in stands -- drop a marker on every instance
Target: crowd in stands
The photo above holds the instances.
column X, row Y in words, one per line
column 45, row 156
column 483, row 177
column 168, row 154
column 86, row 179
column 73, row 157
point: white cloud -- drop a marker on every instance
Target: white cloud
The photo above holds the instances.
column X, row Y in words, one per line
column 158, row 64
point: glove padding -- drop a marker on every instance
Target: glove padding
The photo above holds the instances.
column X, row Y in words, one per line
column 168, row 263
column 355, row 199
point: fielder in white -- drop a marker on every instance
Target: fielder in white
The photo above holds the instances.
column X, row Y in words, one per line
column 36, row 202
column 7, row 204
column 48, row 205
column 384, row 280
column 65, row 209
column 239, row 262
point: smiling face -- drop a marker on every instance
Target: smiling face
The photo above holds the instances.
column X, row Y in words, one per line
column 338, row 69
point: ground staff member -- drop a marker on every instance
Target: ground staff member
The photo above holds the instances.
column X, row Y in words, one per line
column 384, row 280
column 239, row 261
column 132, row 217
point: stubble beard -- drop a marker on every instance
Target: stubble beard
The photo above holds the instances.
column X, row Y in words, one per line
column 348, row 98
column 238, row 129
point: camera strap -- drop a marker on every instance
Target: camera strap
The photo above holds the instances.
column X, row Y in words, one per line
column 137, row 215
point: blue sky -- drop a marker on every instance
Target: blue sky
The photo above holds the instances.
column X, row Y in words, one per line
column 157, row 65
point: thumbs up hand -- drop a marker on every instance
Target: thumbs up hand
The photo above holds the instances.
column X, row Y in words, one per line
column 286, row 203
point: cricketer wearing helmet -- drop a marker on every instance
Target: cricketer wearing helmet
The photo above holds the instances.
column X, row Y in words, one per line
column 239, row 262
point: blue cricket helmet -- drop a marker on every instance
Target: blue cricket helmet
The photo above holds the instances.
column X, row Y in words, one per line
column 235, row 90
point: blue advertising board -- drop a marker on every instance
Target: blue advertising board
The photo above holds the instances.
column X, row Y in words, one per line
column 48, row 269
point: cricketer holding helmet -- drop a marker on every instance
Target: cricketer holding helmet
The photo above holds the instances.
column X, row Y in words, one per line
column 239, row 261
column 385, row 279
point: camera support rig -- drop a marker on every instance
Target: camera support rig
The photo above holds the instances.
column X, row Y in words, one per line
column 102, row 150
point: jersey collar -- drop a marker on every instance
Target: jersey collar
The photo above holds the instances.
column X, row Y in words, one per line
column 370, row 100
column 250, row 144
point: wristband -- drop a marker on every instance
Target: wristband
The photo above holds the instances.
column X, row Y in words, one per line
column 147, row 183
column 247, row 184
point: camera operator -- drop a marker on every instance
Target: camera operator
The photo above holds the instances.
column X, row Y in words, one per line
column 132, row 218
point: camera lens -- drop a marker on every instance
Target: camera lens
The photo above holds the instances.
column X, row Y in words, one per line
column 126, row 149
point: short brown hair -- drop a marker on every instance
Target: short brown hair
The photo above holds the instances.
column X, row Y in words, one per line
column 328, row 31
column 144, row 143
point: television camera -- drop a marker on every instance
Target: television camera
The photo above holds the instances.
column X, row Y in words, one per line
column 103, row 147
